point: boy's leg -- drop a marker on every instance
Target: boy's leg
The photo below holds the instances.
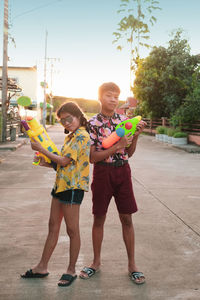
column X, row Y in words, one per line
column 55, row 219
column 129, row 240
column 97, row 238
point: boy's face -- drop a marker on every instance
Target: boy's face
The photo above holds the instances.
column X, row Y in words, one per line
column 109, row 100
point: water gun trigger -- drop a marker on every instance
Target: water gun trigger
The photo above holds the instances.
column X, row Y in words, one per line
column 36, row 163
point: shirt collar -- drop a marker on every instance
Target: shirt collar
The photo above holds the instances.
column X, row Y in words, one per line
column 101, row 116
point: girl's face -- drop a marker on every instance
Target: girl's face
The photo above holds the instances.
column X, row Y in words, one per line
column 70, row 122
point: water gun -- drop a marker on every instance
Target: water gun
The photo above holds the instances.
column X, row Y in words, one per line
column 36, row 131
column 122, row 129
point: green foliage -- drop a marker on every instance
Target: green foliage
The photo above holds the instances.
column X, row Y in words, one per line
column 160, row 130
column 170, row 131
column 180, row 134
column 134, row 26
column 91, row 106
column 53, row 118
column 167, row 82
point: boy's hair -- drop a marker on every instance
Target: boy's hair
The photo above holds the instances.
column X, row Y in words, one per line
column 73, row 109
column 108, row 86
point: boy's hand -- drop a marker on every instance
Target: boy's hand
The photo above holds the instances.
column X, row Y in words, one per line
column 140, row 127
column 124, row 141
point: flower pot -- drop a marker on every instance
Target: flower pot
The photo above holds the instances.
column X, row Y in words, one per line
column 165, row 138
column 179, row 141
column 169, row 139
column 161, row 137
column 157, row 136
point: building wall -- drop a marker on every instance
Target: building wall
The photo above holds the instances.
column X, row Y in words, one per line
column 26, row 78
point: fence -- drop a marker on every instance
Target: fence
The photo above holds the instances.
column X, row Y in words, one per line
column 193, row 130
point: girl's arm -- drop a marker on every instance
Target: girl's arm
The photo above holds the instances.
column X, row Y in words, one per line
column 60, row 160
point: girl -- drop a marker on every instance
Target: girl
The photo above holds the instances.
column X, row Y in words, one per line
column 72, row 180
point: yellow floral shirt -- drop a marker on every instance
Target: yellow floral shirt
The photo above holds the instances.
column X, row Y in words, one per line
column 76, row 174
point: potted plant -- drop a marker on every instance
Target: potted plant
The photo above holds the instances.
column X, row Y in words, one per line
column 180, row 138
column 165, row 136
column 160, row 130
column 170, row 133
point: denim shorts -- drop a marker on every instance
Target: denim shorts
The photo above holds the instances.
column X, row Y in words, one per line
column 69, row 196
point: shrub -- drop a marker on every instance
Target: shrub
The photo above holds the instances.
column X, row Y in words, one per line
column 53, row 118
column 180, row 134
column 171, row 131
column 160, row 130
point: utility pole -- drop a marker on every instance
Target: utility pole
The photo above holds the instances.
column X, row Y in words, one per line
column 52, row 61
column 45, row 83
column 5, row 71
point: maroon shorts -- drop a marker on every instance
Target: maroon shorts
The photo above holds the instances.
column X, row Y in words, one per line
column 113, row 181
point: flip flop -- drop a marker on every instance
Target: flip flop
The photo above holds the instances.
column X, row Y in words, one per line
column 30, row 274
column 137, row 275
column 89, row 271
column 67, row 277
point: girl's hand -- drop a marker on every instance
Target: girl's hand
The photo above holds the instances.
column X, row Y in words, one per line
column 41, row 160
column 36, row 146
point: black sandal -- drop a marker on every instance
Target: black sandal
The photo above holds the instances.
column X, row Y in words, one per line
column 30, row 274
column 67, row 277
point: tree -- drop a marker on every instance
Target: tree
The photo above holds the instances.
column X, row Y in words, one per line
column 189, row 111
column 134, row 26
column 149, row 86
column 177, row 76
column 165, row 79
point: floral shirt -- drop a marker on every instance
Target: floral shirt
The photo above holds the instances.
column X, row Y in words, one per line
column 100, row 127
column 76, row 174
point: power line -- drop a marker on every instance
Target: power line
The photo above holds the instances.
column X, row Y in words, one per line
column 36, row 8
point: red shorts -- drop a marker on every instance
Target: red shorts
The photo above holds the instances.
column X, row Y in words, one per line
column 113, row 181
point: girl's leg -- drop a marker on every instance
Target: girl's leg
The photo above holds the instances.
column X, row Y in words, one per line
column 71, row 216
column 55, row 219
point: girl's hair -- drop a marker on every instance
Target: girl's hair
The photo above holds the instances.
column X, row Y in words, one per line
column 73, row 109
column 108, row 86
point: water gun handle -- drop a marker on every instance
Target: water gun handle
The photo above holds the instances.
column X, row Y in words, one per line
column 36, row 163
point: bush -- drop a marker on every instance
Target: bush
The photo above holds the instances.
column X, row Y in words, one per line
column 160, row 130
column 53, row 119
column 171, row 131
column 180, row 134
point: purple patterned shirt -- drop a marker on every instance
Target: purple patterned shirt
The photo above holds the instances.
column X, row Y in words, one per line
column 100, row 127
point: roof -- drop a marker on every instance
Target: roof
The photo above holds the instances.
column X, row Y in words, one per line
column 12, row 87
column 130, row 102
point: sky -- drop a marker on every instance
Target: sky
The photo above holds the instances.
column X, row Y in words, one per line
column 79, row 40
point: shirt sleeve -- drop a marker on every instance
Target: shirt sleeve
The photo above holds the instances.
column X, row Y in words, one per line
column 77, row 144
column 93, row 135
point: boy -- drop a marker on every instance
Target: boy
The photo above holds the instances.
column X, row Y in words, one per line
column 112, row 175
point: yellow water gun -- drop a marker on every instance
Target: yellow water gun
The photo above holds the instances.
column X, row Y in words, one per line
column 36, row 131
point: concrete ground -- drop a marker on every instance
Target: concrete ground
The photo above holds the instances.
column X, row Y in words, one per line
column 167, row 188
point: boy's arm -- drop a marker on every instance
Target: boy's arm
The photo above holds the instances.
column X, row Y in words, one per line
column 96, row 156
